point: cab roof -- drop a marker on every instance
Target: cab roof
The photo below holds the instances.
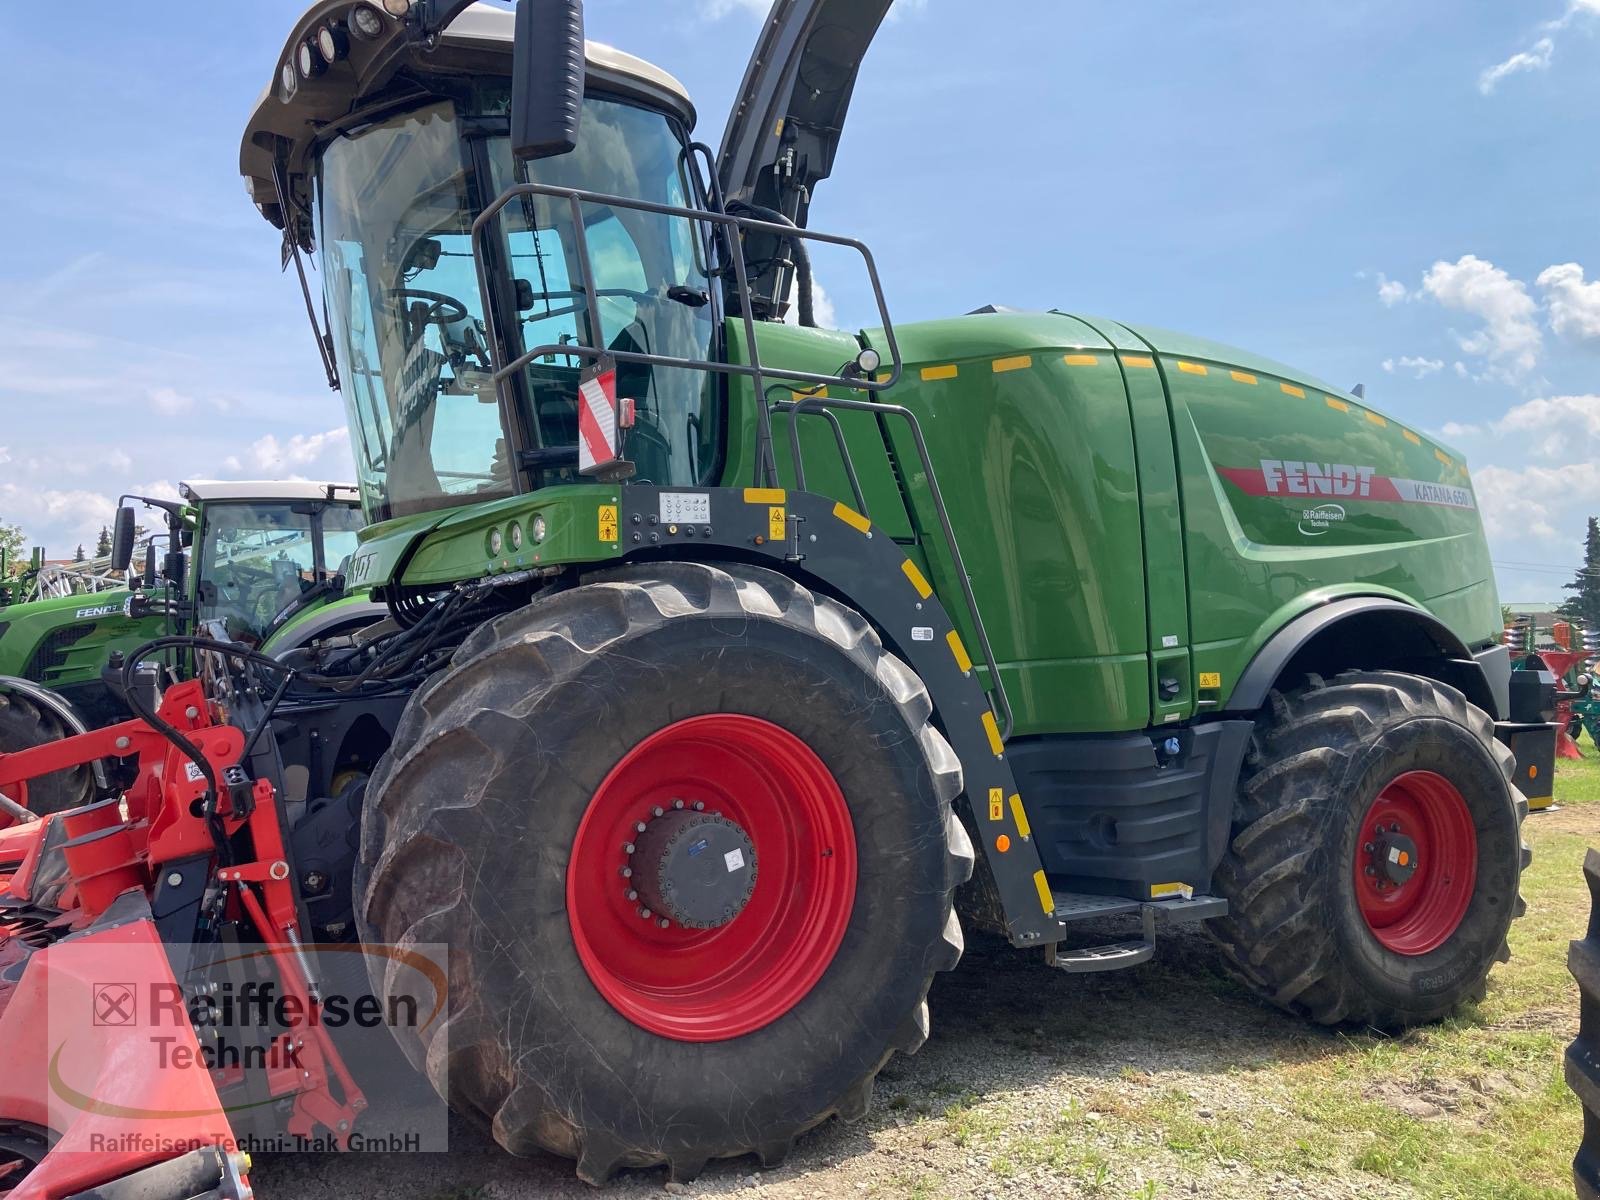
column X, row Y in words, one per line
column 203, row 491
column 476, row 39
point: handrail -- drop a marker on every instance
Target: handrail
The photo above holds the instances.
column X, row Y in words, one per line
column 816, row 403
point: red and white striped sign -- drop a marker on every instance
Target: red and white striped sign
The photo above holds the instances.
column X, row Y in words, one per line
column 597, row 421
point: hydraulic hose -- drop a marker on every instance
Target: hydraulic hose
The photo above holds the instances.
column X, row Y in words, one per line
column 805, row 287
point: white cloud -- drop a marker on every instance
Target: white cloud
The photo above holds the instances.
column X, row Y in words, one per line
column 1454, row 429
column 1556, row 422
column 1391, row 291
column 169, row 402
column 1573, row 303
column 822, row 304
column 73, row 515
column 1420, row 367
column 1518, row 502
column 302, row 450
column 1510, row 337
column 1535, row 58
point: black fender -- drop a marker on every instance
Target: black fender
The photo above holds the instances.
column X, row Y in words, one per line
column 57, row 706
column 332, row 621
column 1393, row 635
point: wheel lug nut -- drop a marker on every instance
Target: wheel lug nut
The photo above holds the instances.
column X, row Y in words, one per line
column 665, row 924
column 699, row 806
column 627, row 872
column 644, row 912
column 677, row 804
column 1369, row 848
column 640, row 827
column 1372, row 870
column 632, row 895
column 1394, row 827
column 627, row 847
column 657, row 811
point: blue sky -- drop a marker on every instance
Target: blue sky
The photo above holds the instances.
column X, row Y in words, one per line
column 1400, row 195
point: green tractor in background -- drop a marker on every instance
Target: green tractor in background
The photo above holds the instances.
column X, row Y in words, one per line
column 269, row 573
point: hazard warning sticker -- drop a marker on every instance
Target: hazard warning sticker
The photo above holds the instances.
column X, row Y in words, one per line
column 608, row 522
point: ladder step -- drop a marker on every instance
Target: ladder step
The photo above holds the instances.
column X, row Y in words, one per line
column 1100, row 958
column 1082, row 906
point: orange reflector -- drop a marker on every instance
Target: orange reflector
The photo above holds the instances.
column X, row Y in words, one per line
column 1002, row 843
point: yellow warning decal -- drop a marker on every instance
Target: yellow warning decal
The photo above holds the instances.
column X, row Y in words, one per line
column 1539, row 803
column 1020, row 363
column 1289, row 389
column 852, row 518
column 1045, row 898
column 1163, row 891
column 1210, row 680
column 959, row 651
column 1082, row 360
column 765, row 496
column 608, row 522
column 997, row 804
column 1189, row 368
column 1376, row 419
column 1411, row 437
column 1444, row 458
column 1020, row 817
column 934, row 374
column 1243, row 377
column 777, row 526
column 1337, row 405
column 993, row 731
column 918, row 580
column 1144, row 363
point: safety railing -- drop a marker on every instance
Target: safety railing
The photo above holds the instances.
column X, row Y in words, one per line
column 726, row 232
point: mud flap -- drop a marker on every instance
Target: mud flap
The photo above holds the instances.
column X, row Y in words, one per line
column 1535, row 750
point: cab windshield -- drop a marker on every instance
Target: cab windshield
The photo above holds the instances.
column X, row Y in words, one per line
column 256, row 560
column 397, row 199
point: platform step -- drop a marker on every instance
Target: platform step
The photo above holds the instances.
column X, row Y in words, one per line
column 1082, row 906
column 1114, row 957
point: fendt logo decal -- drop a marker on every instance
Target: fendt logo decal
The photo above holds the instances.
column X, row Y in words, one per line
column 1289, row 478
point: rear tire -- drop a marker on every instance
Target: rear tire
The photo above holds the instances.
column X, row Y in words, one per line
column 478, row 832
column 1309, row 926
column 23, row 725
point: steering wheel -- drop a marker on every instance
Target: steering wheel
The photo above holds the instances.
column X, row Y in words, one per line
column 442, row 309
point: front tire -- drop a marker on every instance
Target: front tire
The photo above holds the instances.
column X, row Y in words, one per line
column 671, row 717
column 24, row 725
column 1376, row 853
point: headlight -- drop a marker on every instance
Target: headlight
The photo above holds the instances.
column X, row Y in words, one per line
column 397, row 8
column 288, row 83
column 366, row 22
column 515, row 534
column 497, row 543
column 310, row 60
column 332, row 42
column 538, row 529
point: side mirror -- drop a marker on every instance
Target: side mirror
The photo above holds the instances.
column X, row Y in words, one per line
column 150, row 567
column 122, row 540
column 547, row 77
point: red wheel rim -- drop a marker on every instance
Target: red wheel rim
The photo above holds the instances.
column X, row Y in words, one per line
column 1418, row 814
column 706, row 985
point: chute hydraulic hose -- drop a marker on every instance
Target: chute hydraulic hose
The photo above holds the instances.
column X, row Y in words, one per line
column 804, row 285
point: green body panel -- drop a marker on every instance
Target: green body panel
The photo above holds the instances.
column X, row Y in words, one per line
column 1139, row 511
column 65, row 641
column 288, row 634
column 438, row 548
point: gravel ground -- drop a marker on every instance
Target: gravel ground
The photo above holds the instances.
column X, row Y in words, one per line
column 1166, row 1080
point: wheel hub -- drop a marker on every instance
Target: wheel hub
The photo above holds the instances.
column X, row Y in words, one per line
column 697, row 869
column 1393, row 856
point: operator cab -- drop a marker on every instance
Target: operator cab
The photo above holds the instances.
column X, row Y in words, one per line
column 383, row 165
column 266, row 548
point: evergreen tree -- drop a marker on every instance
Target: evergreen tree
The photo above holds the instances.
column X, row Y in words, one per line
column 15, row 544
column 80, row 556
column 103, row 546
column 1584, row 605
